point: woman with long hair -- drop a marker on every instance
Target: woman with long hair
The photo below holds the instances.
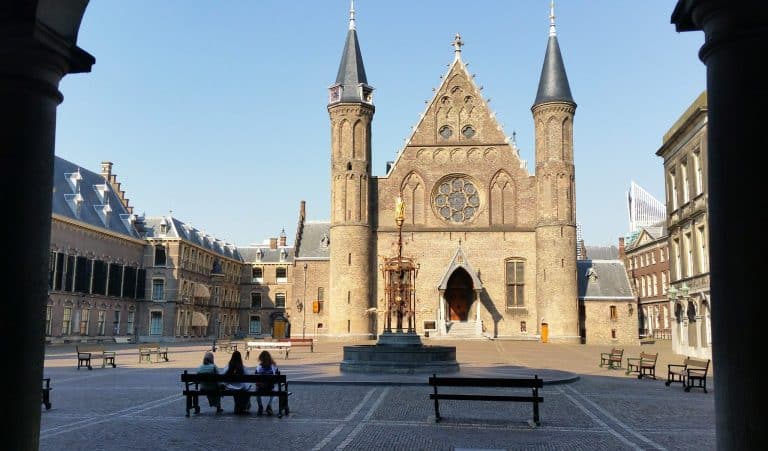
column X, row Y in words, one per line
column 266, row 366
column 236, row 368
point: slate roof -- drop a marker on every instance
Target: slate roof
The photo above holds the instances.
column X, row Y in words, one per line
column 602, row 279
column 185, row 232
column 87, row 197
column 351, row 70
column 602, row 252
column 315, row 240
column 250, row 254
column 553, row 83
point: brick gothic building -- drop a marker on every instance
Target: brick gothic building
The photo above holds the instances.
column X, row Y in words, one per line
column 496, row 244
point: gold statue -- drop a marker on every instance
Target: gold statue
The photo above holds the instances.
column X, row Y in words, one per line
column 399, row 210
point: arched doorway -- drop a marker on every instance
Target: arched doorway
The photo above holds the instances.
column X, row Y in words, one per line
column 459, row 295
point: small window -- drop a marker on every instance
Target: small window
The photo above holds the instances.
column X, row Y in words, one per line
column 282, row 274
column 614, row 314
column 429, row 325
column 160, row 259
column 280, row 300
column 515, row 275
column 257, row 274
column 156, row 323
column 445, row 132
column 256, row 300
column 158, row 288
column 254, row 325
column 66, row 321
column 468, row 131
column 102, row 316
column 523, row 327
column 613, row 333
column 129, row 322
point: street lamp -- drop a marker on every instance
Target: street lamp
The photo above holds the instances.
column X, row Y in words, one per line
column 304, row 321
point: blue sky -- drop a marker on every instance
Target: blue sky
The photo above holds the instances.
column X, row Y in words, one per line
column 217, row 110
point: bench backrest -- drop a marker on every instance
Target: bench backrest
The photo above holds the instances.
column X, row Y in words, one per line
column 485, row 382
column 617, row 352
column 268, row 379
column 692, row 362
column 649, row 357
column 89, row 348
column 149, row 345
column 295, row 340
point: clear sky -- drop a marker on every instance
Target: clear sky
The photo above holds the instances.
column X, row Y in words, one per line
column 216, row 110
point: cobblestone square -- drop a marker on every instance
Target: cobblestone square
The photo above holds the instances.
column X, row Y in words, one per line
column 139, row 406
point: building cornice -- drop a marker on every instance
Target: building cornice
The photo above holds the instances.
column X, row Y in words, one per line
column 98, row 230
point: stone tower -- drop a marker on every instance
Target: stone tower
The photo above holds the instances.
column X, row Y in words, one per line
column 553, row 111
column 352, row 270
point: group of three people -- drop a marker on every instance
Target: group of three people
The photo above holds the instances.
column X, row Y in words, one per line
column 235, row 367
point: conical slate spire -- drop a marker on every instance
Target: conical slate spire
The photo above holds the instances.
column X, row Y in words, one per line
column 351, row 76
column 553, row 84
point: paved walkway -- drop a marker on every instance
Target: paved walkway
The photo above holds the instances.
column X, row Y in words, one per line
column 139, row 406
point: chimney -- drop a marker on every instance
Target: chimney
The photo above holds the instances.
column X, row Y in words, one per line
column 283, row 238
column 273, row 243
column 106, row 170
column 621, row 248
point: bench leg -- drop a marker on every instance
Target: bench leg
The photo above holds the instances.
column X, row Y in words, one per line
column 437, row 407
column 536, row 411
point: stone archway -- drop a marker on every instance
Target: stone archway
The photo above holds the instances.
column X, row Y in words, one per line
column 459, row 295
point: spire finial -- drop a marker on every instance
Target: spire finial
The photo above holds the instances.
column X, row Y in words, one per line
column 552, row 31
column 457, row 43
column 352, row 15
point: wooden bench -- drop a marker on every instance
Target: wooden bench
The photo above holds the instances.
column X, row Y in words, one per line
column 533, row 383
column 87, row 352
column 47, row 393
column 612, row 359
column 310, row 342
column 645, row 365
column 276, row 346
column 147, row 350
column 226, row 345
column 692, row 373
column 193, row 391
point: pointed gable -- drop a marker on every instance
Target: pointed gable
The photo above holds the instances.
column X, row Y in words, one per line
column 457, row 114
column 459, row 260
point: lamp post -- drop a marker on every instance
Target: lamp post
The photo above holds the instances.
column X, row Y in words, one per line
column 304, row 320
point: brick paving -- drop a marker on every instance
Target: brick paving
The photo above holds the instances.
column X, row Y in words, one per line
column 139, row 406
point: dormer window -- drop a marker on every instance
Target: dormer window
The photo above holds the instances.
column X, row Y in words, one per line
column 366, row 93
column 104, row 211
column 334, row 94
column 325, row 241
column 283, row 255
column 163, row 227
column 73, row 179
column 591, row 274
column 259, row 254
column 101, row 191
column 75, row 202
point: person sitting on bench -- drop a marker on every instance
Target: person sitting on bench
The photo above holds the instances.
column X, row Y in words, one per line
column 210, row 368
column 242, row 400
column 266, row 366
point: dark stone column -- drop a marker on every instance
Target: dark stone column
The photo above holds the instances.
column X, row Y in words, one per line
column 37, row 49
column 736, row 43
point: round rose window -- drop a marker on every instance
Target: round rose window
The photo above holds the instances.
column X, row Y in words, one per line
column 456, row 199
